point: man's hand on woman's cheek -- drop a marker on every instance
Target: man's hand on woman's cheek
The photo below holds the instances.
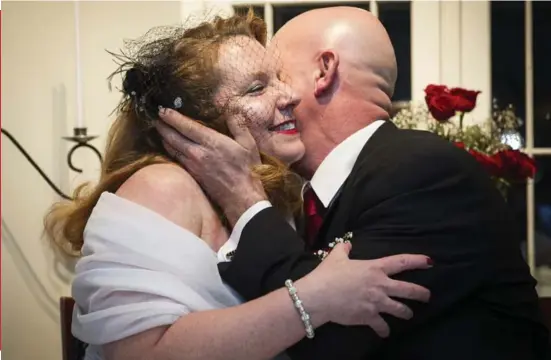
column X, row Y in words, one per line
column 220, row 164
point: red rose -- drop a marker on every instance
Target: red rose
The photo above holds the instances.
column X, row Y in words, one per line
column 465, row 100
column 435, row 89
column 517, row 166
column 459, row 144
column 491, row 164
column 441, row 106
column 442, row 100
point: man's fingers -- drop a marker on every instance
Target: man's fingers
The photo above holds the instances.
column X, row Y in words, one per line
column 398, row 263
column 179, row 156
column 187, row 127
column 397, row 309
column 177, row 145
column 169, row 134
column 241, row 133
column 405, row 290
column 380, row 326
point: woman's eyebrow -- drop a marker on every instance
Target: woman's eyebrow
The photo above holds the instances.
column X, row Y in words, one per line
column 258, row 75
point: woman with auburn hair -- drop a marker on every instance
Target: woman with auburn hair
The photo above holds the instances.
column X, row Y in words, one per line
column 147, row 284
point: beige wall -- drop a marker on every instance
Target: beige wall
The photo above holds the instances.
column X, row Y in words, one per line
column 38, row 107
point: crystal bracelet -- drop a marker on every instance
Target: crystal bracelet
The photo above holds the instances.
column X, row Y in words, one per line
column 304, row 316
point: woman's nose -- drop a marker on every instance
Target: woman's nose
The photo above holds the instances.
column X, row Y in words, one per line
column 288, row 97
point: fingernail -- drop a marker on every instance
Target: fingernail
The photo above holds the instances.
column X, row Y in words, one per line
column 430, row 262
column 162, row 110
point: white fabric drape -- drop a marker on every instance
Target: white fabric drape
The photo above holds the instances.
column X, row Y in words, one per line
column 140, row 271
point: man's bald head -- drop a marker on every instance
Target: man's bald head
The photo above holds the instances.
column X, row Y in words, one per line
column 358, row 37
column 342, row 63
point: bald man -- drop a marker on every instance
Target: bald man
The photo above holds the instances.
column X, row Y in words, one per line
column 396, row 191
column 341, row 62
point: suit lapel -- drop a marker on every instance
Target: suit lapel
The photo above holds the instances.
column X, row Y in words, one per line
column 380, row 137
column 300, row 225
column 384, row 135
column 327, row 220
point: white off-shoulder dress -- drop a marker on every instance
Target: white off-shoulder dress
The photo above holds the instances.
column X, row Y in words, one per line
column 140, row 271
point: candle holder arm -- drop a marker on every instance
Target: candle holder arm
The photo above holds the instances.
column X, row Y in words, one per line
column 81, row 139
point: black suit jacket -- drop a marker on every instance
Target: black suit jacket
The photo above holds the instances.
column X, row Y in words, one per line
column 412, row 192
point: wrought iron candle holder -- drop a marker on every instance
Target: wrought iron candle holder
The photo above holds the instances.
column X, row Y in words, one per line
column 80, row 138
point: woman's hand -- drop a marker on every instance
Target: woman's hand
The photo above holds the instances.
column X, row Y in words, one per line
column 356, row 292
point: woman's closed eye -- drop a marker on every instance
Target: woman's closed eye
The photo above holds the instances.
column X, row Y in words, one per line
column 256, row 88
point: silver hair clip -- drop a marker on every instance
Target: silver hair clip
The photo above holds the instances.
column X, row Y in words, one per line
column 178, row 102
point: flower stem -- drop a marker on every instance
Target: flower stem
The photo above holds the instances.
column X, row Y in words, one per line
column 461, row 121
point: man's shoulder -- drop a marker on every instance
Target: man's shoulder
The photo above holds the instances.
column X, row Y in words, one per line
column 414, row 160
column 423, row 139
column 420, row 149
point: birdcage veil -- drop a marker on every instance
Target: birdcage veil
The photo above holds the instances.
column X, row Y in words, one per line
column 149, row 66
column 146, row 68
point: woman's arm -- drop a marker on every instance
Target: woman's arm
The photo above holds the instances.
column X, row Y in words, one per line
column 259, row 329
column 256, row 330
column 262, row 328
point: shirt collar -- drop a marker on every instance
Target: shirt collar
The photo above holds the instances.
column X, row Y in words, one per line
column 337, row 166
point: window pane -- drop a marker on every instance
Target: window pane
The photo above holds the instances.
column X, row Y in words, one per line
column 508, row 66
column 508, row 79
column 541, row 15
column 542, row 212
column 284, row 13
column 258, row 10
column 396, row 17
column 542, row 229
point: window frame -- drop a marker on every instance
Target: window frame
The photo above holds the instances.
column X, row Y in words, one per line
column 530, row 148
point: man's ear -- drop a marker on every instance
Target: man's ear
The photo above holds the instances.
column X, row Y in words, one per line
column 326, row 74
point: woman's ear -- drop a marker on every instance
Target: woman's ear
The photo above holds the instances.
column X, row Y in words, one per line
column 326, row 74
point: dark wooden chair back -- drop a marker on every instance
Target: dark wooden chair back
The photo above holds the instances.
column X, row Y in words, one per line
column 71, row 347
column 545, row 304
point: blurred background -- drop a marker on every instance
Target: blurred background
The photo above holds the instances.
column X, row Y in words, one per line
column 500, row 48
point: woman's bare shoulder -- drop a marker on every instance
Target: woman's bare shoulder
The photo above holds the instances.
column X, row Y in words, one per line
column 168, row 190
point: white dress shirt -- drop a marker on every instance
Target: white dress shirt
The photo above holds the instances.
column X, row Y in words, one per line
column 326, row 182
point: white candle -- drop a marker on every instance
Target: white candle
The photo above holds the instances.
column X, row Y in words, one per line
column 79, row 110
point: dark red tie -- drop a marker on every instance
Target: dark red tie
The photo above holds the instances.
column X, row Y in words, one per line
column 313, row 210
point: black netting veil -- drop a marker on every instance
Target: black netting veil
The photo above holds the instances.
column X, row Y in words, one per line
column 147, row 67
column 183, row 67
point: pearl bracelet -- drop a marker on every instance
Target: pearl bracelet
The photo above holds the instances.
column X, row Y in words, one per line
column 304, row 316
